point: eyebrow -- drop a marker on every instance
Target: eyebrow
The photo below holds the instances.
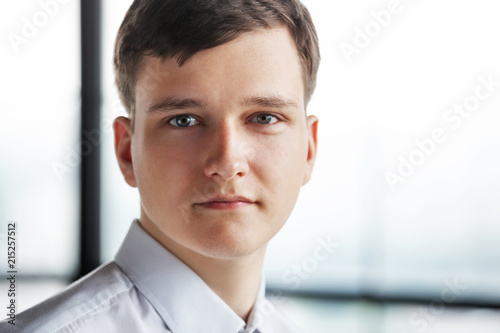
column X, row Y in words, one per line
column 276, row 102
column 172, row 103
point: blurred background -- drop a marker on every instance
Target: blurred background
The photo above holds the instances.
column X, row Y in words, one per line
column 399, row 228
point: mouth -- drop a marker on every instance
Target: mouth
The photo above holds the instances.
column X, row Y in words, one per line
column 226, row 203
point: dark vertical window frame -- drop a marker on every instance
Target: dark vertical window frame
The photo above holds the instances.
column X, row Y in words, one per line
column 90, row 123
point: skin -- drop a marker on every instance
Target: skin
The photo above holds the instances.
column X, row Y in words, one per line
column 215, row 192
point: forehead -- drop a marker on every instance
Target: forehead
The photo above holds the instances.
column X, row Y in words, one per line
column 263, row 62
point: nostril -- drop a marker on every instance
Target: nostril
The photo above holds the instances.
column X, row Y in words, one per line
column 226, row 167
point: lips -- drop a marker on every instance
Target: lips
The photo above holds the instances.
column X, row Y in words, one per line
column 226, row 202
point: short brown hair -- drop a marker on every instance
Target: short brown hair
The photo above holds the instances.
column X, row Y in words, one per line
column 179, row 29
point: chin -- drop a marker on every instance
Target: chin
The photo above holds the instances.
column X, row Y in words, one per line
column 229, row 244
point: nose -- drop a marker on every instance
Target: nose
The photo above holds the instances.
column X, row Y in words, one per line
column 228, row 154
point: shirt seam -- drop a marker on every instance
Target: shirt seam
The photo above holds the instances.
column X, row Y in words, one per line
column 148, row 295
column 93, row 309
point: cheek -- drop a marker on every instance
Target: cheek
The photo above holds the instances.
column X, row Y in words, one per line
column 286, row 155
column 164, row 172
column 281, row 166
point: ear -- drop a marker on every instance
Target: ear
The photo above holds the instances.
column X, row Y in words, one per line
column 312, row 127
column 123, row 143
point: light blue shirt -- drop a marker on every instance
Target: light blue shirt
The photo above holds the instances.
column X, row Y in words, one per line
column 145, row 289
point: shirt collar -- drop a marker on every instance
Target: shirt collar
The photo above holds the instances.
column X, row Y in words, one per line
column 178, row 294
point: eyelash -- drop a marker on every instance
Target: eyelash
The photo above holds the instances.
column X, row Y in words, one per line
column 182, row 115
column 278, row 119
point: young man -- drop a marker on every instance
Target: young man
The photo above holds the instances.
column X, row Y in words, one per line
column 219, row 144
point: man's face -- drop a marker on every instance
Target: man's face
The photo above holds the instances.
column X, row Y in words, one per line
column 221, row 145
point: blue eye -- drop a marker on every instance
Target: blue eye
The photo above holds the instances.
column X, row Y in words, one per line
column 183, row 120
column 264, row 119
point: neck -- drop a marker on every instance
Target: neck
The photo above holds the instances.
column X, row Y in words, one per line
column 236, row 280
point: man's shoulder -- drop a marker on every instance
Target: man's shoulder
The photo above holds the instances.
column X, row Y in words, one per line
column 95, row 292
